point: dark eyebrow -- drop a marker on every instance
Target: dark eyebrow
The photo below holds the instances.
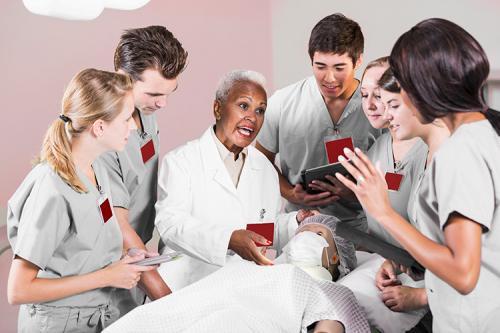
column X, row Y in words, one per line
column 392, row 100
column 334, row 65
column 154, row 94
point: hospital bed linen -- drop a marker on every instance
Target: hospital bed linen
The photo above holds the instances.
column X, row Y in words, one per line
column 244, row 297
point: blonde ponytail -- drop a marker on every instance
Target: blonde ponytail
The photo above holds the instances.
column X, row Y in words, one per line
column 91, row 95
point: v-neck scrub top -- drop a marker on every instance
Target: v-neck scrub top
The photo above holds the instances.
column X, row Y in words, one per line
column 296, row 124
column 62, row 231
column 411, row 167
column 134, row 182
column 464, row 177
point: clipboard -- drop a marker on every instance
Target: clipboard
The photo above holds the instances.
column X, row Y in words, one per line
column 319, row 173
column 379, row 246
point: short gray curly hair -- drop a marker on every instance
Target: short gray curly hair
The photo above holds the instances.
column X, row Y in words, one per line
column 235, row 76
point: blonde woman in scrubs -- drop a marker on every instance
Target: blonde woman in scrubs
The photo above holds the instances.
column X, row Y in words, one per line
column 66, row 241
column 442, row 70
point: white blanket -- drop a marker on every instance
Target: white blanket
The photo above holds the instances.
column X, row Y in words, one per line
column 244, row 297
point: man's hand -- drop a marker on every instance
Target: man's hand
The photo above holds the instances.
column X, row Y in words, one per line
column 334, row 186
column 298, row 195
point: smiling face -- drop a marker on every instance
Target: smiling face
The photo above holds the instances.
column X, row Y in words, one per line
column 115, row 133
column 403, row 123
column 152, row 91
column 370, row 97
column 330, row 258
column 240, row 117
column 334, row 74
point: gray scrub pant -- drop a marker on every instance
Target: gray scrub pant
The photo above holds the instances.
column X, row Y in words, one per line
column 46, row 318
column 125, row 300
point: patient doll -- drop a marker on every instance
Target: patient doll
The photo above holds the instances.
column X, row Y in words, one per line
column 318, row 250
column 322, row 254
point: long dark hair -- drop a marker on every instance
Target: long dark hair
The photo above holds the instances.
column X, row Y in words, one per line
column 388, row 82
column 443, row 69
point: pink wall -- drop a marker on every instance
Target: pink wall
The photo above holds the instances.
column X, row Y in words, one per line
column 39, row 55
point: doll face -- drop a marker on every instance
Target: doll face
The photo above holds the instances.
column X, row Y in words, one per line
column 330, row 257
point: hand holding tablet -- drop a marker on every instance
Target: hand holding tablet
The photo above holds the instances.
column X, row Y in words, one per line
column 157, row 260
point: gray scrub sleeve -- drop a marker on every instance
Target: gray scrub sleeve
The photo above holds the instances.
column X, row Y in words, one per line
column 268, row 136
column 42, row 226
column 119, row 192
column 462, row 183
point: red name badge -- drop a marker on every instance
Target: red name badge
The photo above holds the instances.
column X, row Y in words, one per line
column 335, row 148
column 266, row 230
column 148, row 151
column 106, row 211
column 393, row 180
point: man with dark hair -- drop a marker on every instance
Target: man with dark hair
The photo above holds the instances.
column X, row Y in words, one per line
column 302, row 117
column 154, row 58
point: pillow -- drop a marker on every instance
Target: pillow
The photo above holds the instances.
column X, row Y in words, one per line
column 362, row 283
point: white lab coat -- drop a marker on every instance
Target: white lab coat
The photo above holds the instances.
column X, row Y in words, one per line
column 199, row 207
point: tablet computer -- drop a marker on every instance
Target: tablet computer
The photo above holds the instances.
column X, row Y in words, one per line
column 379, row 246
column 319, row 173
column 158, row 259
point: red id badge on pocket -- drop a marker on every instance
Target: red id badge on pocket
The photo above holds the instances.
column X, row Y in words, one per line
column 334, row 148
column 106, row 211
column 266, row 230
column 393, row 180
column 148, row 151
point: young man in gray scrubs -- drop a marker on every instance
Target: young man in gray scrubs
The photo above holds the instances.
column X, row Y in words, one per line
column 154, row 58
column 300, row 118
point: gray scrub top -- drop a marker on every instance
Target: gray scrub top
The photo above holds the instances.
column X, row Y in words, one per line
column 62, row 231
column 133, row 182
column 296, row 124
column 411, row 167
column 464, row 177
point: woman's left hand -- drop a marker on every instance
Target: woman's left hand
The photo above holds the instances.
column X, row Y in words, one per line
column 371, row 187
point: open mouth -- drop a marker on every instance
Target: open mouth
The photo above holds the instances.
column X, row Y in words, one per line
column 246, row 131
column 331, row 86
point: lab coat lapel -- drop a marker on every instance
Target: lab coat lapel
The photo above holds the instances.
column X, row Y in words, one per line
column 213, row 163
column 249, row 179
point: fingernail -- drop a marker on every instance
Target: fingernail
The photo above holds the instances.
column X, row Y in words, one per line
column 341, row 158
column 347, row 151
column 357, row 150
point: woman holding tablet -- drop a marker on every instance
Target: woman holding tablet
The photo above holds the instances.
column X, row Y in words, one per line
column 66, row 241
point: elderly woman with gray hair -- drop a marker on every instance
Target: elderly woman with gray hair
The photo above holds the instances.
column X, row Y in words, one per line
column 212, row 187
